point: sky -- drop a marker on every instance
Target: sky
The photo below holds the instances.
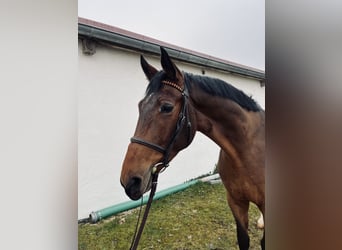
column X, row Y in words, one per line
column 232, row 30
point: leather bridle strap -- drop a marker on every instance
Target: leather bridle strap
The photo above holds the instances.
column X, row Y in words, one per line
column 148, row 144
column 182, row 118
column 138, row 234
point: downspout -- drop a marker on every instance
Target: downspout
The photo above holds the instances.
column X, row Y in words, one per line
column 121, row 207
column 96, row 216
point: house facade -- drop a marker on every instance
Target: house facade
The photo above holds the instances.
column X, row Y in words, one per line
column 110, row 85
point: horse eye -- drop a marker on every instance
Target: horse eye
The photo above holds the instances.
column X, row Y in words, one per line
column 166, row 108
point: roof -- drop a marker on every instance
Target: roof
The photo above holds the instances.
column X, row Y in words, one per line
column 129, row 40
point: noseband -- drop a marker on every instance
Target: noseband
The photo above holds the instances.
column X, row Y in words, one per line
column 182, row 119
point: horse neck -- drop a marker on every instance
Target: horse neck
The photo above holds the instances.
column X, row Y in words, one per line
column 224, row 121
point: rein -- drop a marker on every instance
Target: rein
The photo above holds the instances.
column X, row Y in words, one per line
column 161, row 166
column 137, row 235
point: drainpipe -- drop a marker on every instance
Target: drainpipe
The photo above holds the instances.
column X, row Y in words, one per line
column 121, row 207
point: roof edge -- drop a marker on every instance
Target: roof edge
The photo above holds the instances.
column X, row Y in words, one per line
column 123, row 38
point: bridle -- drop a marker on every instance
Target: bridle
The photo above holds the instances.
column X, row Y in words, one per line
column 183, row 118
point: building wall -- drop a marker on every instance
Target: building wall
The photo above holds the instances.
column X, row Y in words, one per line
column 110, row 85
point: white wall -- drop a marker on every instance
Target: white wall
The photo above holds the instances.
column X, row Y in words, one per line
column 111, row 83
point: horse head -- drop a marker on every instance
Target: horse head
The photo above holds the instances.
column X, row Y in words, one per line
column 165, row 126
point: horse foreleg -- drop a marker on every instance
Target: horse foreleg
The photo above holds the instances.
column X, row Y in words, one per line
column 240, row 212
column 262, row 242
column 260, row 222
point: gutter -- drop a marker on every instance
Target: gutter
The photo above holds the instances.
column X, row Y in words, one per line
column 132, row 41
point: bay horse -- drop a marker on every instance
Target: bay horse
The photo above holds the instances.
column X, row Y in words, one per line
column 175, row 106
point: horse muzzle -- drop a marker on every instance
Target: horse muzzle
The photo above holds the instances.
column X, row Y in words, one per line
column 133, row 188
column 136, row 186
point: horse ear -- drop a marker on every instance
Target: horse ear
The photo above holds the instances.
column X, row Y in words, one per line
column 169, row 67
column 149, row 70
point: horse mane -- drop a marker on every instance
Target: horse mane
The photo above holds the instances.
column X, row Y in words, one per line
column 212, row 86
column 217, row 87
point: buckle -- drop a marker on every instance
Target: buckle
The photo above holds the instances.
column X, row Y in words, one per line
column 159, row 168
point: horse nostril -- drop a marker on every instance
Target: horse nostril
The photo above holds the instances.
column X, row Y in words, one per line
column 133, row 188
column 135, row 181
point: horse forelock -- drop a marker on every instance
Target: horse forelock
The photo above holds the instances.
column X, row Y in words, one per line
column 155, row 83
